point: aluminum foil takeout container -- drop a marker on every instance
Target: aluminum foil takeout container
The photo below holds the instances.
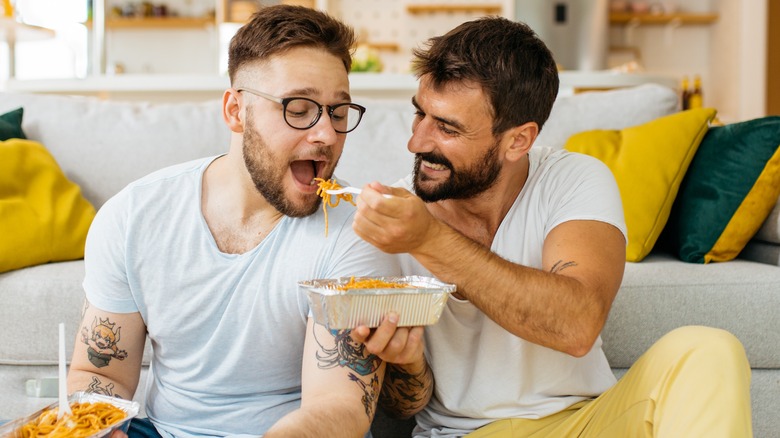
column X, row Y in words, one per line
column 419, row 304
column 12, row 429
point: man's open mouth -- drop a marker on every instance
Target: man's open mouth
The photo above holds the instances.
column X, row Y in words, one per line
column 304, row 171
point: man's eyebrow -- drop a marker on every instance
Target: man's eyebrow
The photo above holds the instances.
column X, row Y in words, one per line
column 309, row 91
column 453, row 123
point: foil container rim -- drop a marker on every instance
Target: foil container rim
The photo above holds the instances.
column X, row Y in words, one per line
column 420, row 285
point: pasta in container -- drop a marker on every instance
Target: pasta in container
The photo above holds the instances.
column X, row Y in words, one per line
column 347, row 302
column 93, row 416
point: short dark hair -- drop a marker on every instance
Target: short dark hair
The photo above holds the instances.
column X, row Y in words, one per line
column 276, row 29
column 514, row 67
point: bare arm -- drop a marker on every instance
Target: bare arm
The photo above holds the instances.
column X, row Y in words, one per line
column 406, row 390
column 107, row 354
column 562, row 306
column 409, row 381
column 340, row 386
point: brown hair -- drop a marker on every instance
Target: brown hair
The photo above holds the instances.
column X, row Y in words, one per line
column 276, row 29
column 514, row 67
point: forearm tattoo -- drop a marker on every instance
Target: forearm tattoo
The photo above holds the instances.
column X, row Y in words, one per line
column 96, row 388
column 560, row 266
column 403, row 394
column 101, row 340
column 345, row 352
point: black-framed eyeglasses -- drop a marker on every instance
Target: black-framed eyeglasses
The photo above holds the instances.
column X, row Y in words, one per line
column 303, row 113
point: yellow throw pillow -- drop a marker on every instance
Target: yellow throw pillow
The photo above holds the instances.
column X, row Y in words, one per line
column 649, row 162
column 43, row 215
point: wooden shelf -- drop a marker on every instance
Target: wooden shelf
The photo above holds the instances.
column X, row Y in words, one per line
column 393, row 47
column 683, row 18
column 433, row 8
column 159, row 23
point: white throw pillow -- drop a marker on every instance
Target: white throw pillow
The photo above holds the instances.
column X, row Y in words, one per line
column 611, row 109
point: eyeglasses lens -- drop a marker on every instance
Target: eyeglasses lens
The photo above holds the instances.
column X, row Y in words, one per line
column 304, row 113
column 301, row 113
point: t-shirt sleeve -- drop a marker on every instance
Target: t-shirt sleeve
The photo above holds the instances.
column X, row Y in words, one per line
column 353, row 256
column 587, row 190
column 106, row 283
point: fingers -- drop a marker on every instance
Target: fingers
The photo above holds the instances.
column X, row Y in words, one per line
column 401, row 345
column 360, row 334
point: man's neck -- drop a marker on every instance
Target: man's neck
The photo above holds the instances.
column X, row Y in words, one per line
column 479, row 217
column 238, row 217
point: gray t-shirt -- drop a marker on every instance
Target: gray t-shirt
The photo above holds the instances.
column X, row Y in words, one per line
column 227, row 330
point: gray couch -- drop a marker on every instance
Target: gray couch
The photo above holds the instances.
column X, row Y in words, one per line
column 103, row 145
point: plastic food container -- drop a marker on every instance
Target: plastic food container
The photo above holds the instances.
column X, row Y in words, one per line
column 13, row 429
column 419, row 304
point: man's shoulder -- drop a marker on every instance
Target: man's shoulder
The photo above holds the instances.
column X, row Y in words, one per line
column 557, row 161
column 173, row 171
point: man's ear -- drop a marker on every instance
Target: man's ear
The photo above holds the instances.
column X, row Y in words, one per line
column 231, row 110
column 521, row 139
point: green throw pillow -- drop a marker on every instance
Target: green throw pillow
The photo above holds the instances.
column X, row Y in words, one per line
column 11, row 125
column 729, row 190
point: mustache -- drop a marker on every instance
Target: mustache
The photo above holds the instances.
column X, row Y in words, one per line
column 433, row 158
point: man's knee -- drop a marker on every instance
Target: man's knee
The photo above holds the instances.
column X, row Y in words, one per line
column 718, row 344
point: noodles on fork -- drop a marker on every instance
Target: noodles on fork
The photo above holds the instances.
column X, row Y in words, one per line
column 328, row 199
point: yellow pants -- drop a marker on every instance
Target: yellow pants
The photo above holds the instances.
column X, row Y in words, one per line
column 694, row 382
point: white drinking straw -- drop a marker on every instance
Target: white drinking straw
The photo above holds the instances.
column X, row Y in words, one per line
column 63, row 392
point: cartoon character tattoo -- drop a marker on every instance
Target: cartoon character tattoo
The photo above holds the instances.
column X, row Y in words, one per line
column 101, row 341
column 347, row 353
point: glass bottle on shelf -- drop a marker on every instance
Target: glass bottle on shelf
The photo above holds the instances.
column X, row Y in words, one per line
column 696, row 99
column 685, row 93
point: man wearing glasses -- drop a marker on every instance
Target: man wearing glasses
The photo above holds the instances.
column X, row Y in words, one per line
column 204, row 258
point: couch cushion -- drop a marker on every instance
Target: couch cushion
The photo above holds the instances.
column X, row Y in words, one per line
column 11, row 124
column 47, row 213
column 111, row 143
column 762, row 252
column 649, row 162
column 770, row 230
column 36, row 300
column 729, row 190
column 662, row 293
column 42, row 297
column 613, row 109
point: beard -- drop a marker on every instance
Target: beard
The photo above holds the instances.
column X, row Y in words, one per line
column 268, row 177
column 462, row 184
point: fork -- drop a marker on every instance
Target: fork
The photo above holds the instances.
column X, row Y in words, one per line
column 353, row 190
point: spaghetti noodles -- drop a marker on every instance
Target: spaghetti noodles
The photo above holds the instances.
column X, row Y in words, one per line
column 328, row 199
column 86, row 420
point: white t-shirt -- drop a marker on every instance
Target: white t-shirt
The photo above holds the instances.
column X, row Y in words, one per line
column 484, row 373
column 227, row 330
